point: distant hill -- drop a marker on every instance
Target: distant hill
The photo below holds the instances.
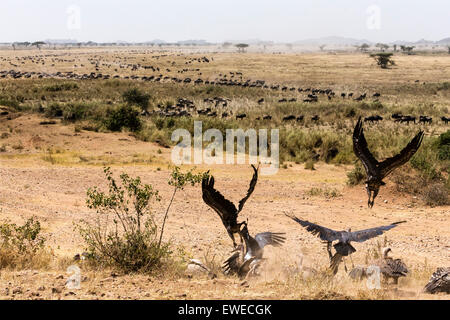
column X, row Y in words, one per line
column 445, row 41
column 193, row 42
column 61, row 41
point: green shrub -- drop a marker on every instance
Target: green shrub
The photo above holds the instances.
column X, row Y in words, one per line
column 22, row 246
column 436, row 194
column 61, row 87
column 443, row 146
column 125, row 235
column 356, row 176
column 123, row 117
column 135, row 97
column 53, row 110
column 75, row 112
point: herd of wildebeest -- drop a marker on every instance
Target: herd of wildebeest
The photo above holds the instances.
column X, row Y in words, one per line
column 247, row 256
column 185, row 107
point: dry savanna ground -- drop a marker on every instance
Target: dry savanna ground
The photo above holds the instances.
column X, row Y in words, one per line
column 45, row 171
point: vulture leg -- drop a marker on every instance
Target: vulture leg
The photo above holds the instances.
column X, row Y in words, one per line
column 329, row 249
column 231, row 234
column 353, row 265
column 372, row 195
column 369, row 194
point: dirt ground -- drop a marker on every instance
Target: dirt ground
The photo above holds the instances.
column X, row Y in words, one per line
column 52, row 186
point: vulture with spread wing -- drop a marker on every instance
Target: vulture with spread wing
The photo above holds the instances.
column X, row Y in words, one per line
column 226, row 210
column 343, row 247
column 247, row 257
column 377, row 171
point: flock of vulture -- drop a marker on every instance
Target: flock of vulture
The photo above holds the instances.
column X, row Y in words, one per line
column 247, row 256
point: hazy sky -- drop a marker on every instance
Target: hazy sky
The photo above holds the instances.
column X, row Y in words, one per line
column 217, row 21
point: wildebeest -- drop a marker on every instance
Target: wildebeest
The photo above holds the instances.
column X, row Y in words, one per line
column 289, row 118
column 425, row 119
column 241, row 116
column 445, row 120
column 407, row 119
column 373, row 119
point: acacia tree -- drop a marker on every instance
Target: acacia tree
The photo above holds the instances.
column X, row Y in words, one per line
column 242, row 46
column 383, row 59
column 38, row 44
column 407, row 49
column 383, row 47
column 364, row 47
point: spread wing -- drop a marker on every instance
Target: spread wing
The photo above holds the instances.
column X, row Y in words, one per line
column 231, row 265
column 224, row 208
column 323, row 233
column 271, row 239
column 390, row 164
column 250, row 189
column 362, row 151
column 364, row 235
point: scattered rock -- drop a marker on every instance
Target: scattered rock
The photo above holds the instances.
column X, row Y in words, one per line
column 56, row 290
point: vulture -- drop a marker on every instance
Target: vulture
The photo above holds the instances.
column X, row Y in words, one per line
column 226, row 210
column 439, row 282
column 247, row 256
column 343, row 247
column 392, row 268
column 377, row 171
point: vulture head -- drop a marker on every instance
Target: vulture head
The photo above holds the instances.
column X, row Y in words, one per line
column 386, row 252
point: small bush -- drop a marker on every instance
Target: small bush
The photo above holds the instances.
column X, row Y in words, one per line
column 125, row 235
column 443, row 146
column 75, row 112
column 309, row 165
column 61, row 87
column 436, row 195
column 22, row 246
column 356, row 176
column 53, row 110
column 135, row 97
column 124, row 117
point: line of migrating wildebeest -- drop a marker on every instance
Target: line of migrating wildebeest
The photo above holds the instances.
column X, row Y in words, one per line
column 247, row 256
column 185, row 107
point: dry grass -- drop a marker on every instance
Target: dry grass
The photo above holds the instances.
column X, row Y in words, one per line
column 46, row 169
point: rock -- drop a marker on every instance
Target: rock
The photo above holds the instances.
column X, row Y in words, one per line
column 17, row 290
column 56, row 290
